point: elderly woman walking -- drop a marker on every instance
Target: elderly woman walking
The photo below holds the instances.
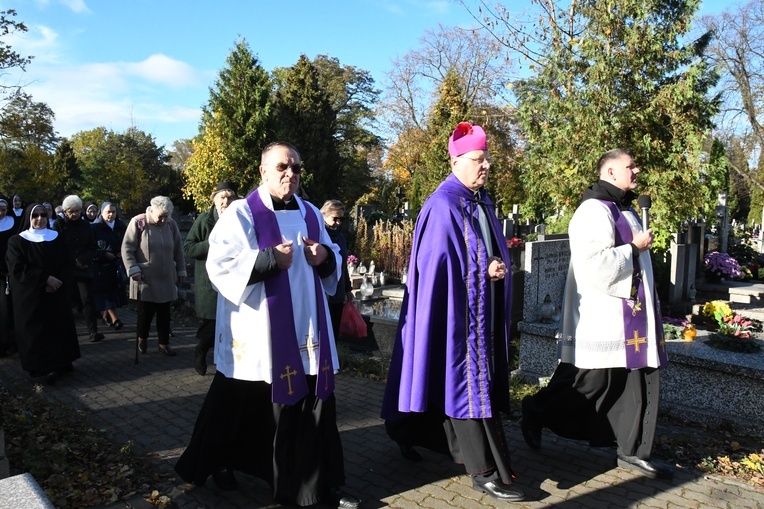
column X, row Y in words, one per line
column 152, row 252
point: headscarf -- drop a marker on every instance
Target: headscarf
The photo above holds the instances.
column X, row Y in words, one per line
column 29, row 233
column 7, row 222
column 104, row 206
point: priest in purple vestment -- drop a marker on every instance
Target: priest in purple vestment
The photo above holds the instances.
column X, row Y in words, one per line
column 606, row 388
column 448, row 378
column 270, row 410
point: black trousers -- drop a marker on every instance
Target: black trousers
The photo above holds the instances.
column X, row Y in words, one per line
column 146, row 312
column 601, row 405
column 479, row 444
column 82, row 296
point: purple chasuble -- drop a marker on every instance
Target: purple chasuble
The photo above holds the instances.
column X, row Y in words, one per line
column 445, row 357
column 289, row 385
column 634, row 308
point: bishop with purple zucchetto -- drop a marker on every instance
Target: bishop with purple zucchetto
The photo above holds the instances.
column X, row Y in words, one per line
column 448, row 379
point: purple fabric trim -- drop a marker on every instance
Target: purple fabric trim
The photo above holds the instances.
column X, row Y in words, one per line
column 325, row 382
column 444, row 358
column 289, row 384
column 634, row 318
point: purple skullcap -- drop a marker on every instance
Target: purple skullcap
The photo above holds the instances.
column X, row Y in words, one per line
column 466, row 138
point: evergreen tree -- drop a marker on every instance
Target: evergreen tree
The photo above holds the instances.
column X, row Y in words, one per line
column 65, row 165
column 233, row 129
column 616, row 74
column 450, row 109
column 303, row 116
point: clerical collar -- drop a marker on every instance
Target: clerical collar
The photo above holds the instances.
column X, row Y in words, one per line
column 279, row 204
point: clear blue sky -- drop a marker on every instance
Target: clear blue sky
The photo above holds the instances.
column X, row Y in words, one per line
column 150, row 63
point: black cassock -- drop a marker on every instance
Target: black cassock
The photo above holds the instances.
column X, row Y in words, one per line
column 46, row 336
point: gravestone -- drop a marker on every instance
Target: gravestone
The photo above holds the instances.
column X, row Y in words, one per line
column 546, row 270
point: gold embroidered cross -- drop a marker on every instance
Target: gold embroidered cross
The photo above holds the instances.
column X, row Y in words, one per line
column 636, row 341
column 326, row 375
column 288, row 375
column 309, row 346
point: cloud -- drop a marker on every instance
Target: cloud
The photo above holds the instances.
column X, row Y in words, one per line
column 119, row 95
column 77, row 6
column 162, row 69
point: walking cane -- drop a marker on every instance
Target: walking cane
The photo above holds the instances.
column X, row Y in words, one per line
column 137, row 334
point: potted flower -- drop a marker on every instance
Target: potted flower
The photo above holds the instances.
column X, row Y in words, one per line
column 352, row 264
column 720, row 266
column 734, row 335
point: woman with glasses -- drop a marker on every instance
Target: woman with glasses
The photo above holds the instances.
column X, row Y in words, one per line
column 152, row 252
column 40, row 271
column 334, row 213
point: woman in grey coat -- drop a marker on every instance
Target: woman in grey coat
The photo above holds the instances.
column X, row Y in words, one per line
column 153, row 255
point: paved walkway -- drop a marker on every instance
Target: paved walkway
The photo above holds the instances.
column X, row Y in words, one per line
column 155, row 404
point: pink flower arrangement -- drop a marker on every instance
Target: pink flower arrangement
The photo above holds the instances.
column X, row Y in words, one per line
column 736, row 326
column 352, row 260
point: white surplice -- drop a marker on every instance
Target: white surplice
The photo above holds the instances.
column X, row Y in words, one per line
column 243, row 329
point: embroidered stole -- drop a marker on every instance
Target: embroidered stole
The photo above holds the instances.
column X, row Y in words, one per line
column 289, row 384
column 634, row 311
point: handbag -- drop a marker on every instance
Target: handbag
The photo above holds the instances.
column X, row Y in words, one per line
column 352, row 324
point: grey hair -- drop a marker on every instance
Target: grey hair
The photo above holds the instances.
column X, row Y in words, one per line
column 162, row 203
column 72, row 202
column 332, row 206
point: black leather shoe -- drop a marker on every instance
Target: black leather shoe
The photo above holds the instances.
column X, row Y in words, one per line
column 96, row 337
column 143, row 345
column 531, row 426
column 408, row 452
column 500, row 491
column 166, row 350
column 645, row 467
column 224, row 479
column 200, row 362
column 117, row 325
column 51, row 377
column 341, row 500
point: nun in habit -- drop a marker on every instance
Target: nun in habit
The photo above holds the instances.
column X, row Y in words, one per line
column 39, row 267
column 7, row 229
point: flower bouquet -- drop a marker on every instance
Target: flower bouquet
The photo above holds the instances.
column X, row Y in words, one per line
column 352, row 264
column 734, row 335
column 722, row 266
column 515, row 242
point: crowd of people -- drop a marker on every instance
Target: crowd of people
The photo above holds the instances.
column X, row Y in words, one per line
column 75, row 261
column 271, row 281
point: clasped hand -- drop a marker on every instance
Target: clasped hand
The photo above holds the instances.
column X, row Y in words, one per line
column 497, row 269
column 315, row 253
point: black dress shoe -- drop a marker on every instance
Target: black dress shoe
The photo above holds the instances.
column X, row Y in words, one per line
column 200, row 362
column 224, row 479
column 143, row 345
column 118, row 324
column 96, row 337
column 500, row 491
column 51, row 377
column 645, row 467
column 530, row 426
column 338, row 498
column 166, row 350
column 408, row 452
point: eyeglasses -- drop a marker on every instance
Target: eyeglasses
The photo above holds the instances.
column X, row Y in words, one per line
column 42, row 215
column 296, row 168
column 479, row 160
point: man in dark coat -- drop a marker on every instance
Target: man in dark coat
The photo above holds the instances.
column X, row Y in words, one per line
column 81, row 242
column 196, row 247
